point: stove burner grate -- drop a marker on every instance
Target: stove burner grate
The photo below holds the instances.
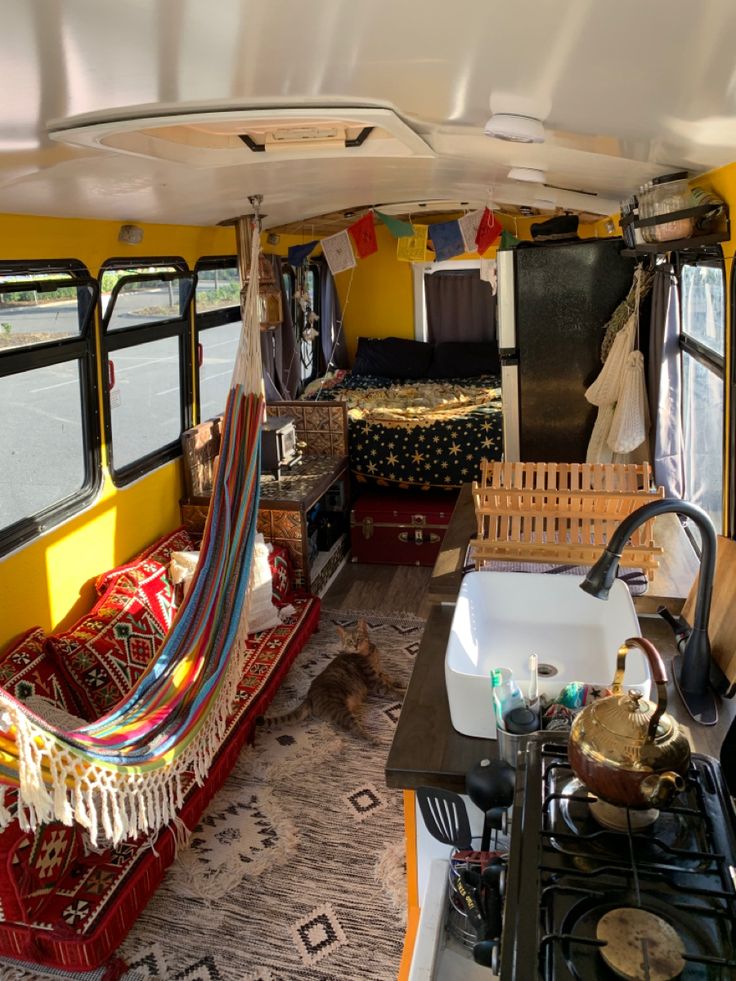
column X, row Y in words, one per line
column 568, row 875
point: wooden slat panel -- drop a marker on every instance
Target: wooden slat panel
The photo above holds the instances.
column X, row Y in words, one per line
column 564, row 512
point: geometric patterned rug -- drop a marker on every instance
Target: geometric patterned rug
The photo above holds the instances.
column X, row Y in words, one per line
column 296, row 870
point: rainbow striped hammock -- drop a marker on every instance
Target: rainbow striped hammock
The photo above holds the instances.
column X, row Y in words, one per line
column 122, row 775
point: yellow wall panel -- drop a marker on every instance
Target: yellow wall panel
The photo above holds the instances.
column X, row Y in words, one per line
column 49, row 582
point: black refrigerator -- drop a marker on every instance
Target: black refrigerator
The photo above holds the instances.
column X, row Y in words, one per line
column 554, row 301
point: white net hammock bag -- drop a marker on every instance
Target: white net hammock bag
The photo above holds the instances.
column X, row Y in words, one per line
column 630, row 422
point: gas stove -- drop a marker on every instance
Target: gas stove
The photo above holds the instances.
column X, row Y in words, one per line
column 578, row 892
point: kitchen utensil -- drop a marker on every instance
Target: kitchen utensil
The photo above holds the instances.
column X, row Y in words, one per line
column 485, row 953
column 533, row 698
column 445, row 816
column 624, row 749
column 467, row 887
column 490, row 786
column 491, row 881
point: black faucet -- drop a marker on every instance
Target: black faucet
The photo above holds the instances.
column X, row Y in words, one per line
column 692, row 667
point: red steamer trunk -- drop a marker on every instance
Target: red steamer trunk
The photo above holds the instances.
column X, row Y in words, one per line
column 399, row 529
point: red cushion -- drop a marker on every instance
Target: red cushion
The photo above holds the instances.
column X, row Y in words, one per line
column 28, row 668
column 282, row 575
column 78, row 925
column 105, row 652
column 178, row 540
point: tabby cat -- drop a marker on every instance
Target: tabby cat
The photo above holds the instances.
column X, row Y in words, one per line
column 337, row 693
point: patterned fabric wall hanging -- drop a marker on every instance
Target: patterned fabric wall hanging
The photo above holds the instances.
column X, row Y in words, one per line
column 447, row 240
column 297, row 254
column 363, row 235
column 338, row 251
column 413, row 248
column 488, row 231
column 469, row 228
column 397, row 227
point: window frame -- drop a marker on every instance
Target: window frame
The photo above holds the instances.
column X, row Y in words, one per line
column 82, row 349
column 210, row 318
column 136, row 335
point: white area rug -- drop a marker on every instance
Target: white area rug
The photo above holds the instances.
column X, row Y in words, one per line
column 301, row 853
column 296, row 871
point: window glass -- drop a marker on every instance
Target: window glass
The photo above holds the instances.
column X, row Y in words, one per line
column 43, row 439
column 217, row 289
column 145, row 400
column 703, row 436
column 703, row 305
column 141, row 301
column 219, row 346
column 45, row 310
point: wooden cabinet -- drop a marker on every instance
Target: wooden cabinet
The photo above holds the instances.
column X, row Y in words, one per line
column 284, row 516
column 286, row 511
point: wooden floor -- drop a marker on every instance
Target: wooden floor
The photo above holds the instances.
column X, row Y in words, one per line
column 379, row 588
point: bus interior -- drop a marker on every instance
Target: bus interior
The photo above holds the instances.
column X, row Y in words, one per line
column 468, row 201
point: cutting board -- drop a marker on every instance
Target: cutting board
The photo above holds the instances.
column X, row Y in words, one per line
column 722, row 622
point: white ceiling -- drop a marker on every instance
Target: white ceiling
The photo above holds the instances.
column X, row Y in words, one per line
column 628, row 90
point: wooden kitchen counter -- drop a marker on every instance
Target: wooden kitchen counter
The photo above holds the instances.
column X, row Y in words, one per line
column 670, row 586
column 427, row 750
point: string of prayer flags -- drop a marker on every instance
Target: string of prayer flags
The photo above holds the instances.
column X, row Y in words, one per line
column 413, row 248
column 339, row 252
column 469, row 228
column 447, row 240
column 397, row 227
column 508, row 240
column 489, row 230
column 297, row 254
column 363, row 234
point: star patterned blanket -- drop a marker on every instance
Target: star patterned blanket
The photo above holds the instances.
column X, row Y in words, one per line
column 421, row 434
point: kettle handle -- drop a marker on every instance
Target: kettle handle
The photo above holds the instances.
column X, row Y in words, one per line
column 659, row 675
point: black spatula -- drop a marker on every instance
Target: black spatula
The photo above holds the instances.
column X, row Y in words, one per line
column 445, row 816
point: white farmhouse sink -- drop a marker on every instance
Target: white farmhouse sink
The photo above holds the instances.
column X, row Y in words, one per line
column 503, row 617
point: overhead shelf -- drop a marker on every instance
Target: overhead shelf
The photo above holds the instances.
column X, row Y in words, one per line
column 721, row 233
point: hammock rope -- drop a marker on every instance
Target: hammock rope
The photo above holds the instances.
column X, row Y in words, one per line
column 122, row 774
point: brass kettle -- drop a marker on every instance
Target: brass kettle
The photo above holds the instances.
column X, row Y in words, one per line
column 625, row 750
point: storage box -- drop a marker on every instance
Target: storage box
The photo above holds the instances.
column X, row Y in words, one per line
column 399, row 529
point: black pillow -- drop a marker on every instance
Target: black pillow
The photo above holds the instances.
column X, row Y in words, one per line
column 464, row 359
column 392, row 357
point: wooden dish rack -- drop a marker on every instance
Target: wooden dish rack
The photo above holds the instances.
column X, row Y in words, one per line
column 561, row 513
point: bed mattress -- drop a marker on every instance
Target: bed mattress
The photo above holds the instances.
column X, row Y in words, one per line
column 420, row 434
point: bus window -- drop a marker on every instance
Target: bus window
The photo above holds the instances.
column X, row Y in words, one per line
column 217, row 325
column 48, row 397
column 148, row 358
column 702, row 341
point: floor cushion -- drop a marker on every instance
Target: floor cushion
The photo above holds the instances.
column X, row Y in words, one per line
column 28, row 669
column 80, row 923
column 160, row 551
column 105, row 652
column 282, row 574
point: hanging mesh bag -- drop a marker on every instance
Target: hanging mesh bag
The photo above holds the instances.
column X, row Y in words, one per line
column 630, row 419
column 598, row 449
column 606, row 387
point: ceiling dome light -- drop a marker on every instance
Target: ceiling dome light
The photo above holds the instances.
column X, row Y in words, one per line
column 515, row 129
column 529, row 174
